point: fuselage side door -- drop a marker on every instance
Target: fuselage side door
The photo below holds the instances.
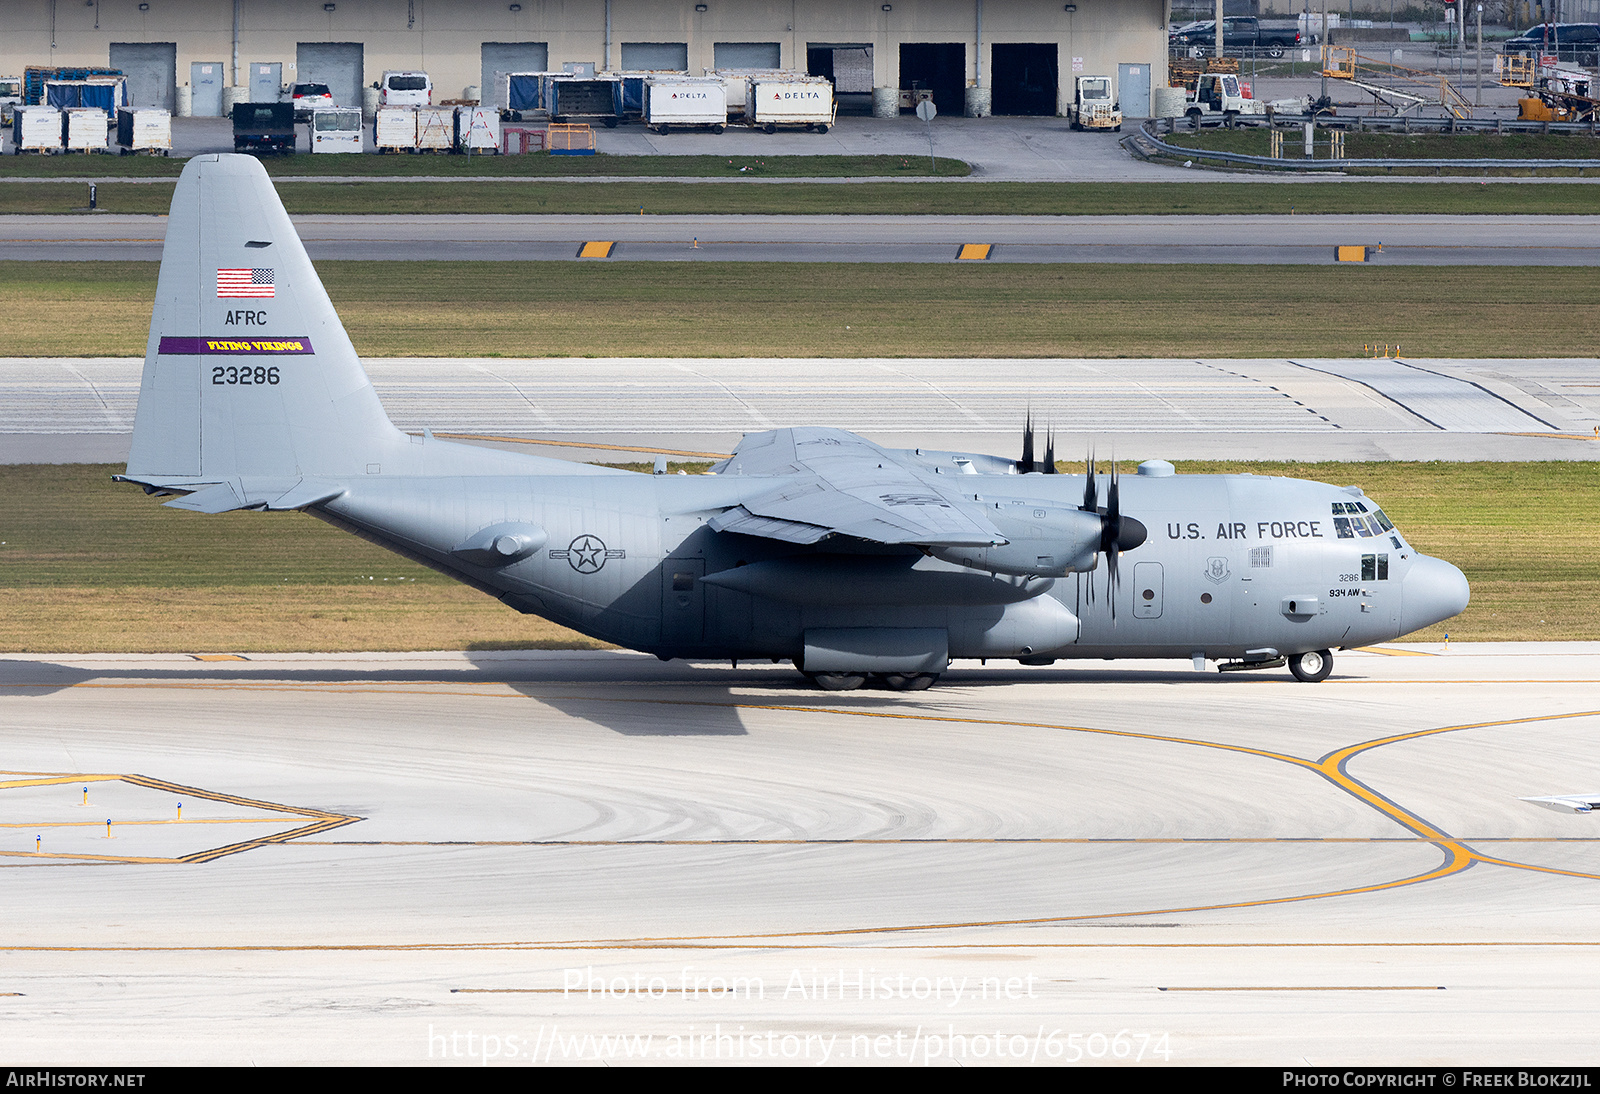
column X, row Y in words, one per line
column 683, row 601
column 1147, row 590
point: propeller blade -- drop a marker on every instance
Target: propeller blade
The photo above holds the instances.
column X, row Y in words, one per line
column 1025, row 465
column 1091, row 501
column 1050, row 452
column 1110, row 535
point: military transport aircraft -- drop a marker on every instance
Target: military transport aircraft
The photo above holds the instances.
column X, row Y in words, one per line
column 807, row 544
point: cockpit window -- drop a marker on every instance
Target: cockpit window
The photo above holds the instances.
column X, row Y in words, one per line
column 1352, row 519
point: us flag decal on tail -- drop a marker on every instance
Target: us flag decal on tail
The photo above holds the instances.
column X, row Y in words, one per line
column 231, row 283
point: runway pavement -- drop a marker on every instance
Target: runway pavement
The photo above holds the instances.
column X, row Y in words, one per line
column 82, row 409
column 446, row 857
column 1273, row 237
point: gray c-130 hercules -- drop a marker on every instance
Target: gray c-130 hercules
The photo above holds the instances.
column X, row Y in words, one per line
column 808, row 544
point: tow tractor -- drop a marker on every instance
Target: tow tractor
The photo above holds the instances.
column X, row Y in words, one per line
column 1222, row 94
column 1092, row 105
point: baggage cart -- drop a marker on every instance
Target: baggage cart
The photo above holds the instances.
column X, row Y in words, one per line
column 36, row 129
column 83, row 129
column 142, row 129
column 394, row 129
column 684, row 102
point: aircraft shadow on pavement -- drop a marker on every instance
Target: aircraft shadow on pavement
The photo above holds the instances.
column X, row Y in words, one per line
column 622, row 692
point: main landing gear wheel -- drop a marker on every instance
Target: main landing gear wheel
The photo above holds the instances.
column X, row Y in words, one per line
column 909, row 681
column 837, row 681
column 1311, row 668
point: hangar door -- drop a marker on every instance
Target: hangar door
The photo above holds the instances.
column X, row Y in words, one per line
column 152, row 72
column 509, row 57
column 941, row 67
column 337, row 64
column 746, row 55
column 1024, row 77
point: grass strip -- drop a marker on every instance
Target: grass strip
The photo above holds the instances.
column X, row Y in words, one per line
column 88, row 565
column 532, row 166
column 858, row 199
column 626, row 309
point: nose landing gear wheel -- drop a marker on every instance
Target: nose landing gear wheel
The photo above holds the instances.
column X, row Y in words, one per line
column 837, row 681
column 1311, row 668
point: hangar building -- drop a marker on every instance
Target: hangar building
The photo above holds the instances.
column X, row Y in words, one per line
column 1014, row 56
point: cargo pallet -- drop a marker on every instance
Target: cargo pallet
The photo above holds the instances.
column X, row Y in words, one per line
column 34, row 79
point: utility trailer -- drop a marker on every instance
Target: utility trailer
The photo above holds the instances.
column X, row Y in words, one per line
column 685, row 102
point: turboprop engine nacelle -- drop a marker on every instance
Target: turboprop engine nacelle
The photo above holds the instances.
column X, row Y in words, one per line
column 1042, row 540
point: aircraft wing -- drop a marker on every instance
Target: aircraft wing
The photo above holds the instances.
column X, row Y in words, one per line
column 836, row 483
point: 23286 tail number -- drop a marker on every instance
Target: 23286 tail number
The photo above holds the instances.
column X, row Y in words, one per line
column 246, row 374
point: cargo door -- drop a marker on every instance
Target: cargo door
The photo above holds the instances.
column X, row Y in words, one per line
column 655, row 56
column 503, row 57
column 683, row 602
column 751, row 55
column 1024, row 77
column 337, row 64
column 940, row 67
column 152, row 72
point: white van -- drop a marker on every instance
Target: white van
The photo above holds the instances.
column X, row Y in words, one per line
column 405, row 89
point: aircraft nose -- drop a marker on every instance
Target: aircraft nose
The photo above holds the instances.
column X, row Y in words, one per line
column 1432, row 592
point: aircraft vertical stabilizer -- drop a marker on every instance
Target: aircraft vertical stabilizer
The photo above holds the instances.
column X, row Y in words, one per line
column 248, row 373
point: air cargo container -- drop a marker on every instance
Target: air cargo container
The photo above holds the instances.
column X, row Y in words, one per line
column 144, row 130
column 336, row 130
column 477, row 129
column 436, row 128
column 36, row 129
column 685, row 102
column 790, row 102
column 394, row 129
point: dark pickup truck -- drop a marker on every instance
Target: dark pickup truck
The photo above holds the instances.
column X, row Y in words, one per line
column 263, row 127
column 1240, row 34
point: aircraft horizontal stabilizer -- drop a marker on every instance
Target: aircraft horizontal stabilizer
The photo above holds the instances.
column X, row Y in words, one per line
column 1568, row 803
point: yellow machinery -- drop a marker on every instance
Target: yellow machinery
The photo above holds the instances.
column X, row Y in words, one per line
column 1396, row 86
